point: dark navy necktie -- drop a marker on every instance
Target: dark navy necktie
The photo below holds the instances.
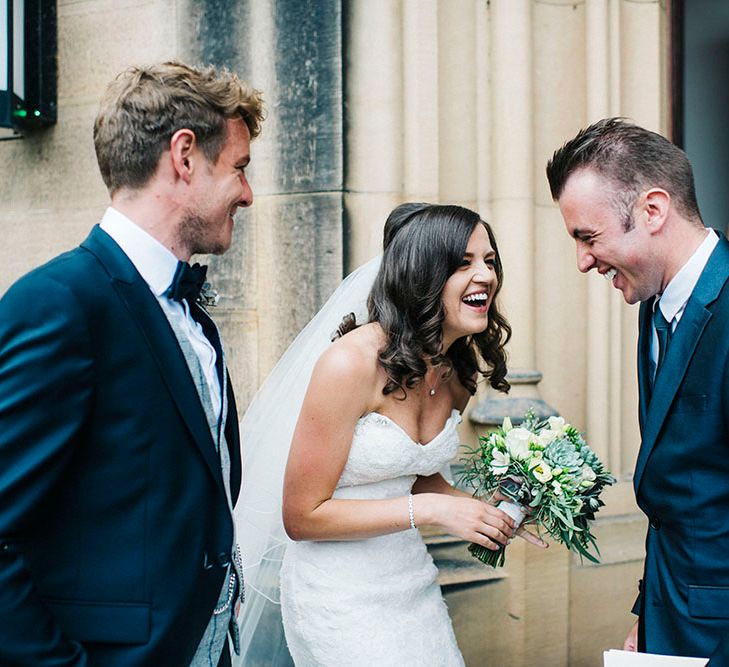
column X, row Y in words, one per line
column 663, row 329
column 187, row 282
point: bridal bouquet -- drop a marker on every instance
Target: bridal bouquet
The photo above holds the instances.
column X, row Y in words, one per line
column 548, row 473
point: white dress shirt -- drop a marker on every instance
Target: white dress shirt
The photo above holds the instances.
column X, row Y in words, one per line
column 676, row 295
column 157, row 265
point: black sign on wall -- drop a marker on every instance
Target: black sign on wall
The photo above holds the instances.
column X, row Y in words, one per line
column 28, row 42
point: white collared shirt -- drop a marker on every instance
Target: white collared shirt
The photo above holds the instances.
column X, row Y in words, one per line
column 157, row 265
column 676, row 295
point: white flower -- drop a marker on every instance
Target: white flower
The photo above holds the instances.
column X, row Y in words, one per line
column 556, row 424
column 557, row 488
column 517, row 443
column 500, row 462
column 546, row 436
column 588, row 474
column 540, row 470
column 506, row 425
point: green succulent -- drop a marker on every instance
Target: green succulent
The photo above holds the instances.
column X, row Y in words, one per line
column 591, row 458
column 561, row 453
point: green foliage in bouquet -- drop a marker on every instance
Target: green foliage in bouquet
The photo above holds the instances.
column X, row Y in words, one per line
column 548, row 469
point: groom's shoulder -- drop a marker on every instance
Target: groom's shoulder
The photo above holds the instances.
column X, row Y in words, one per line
column 71, row 271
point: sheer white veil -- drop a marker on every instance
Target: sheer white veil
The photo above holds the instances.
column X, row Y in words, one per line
column 266, row 431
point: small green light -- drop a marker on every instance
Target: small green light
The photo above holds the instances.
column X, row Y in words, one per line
column 36, row 113
column 20, row 113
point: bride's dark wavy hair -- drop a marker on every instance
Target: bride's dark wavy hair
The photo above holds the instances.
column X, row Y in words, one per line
column 424, row 244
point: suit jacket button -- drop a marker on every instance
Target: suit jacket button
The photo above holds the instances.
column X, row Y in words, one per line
column 223, row 559
column 655, row 523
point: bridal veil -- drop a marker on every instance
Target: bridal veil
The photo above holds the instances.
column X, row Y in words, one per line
column 266, row 431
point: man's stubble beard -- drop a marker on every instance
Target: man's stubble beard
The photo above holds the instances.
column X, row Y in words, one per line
column 192, row 234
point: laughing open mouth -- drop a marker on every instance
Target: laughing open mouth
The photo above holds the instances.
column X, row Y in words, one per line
column 477, row 300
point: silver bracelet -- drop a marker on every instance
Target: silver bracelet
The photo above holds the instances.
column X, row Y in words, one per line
column 411, row 513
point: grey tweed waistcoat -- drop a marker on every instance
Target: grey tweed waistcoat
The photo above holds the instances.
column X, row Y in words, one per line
column 222, row 618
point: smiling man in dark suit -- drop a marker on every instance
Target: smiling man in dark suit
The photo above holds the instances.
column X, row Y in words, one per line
column 627, row 198
column 119, row 460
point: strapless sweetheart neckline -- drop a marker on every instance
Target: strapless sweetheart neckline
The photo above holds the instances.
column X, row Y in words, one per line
column 455, row 415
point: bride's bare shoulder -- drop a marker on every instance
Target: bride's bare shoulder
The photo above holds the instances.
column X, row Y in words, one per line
column 354, row 355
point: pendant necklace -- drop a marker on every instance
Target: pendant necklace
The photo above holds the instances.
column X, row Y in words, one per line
column 434, row 386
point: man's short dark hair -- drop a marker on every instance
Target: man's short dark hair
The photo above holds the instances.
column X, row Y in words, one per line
column 633, row 159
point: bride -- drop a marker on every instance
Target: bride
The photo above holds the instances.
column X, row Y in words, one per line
column 376, row 427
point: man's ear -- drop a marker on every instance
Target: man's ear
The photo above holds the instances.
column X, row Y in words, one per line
column 182, row 146
column 655, row 205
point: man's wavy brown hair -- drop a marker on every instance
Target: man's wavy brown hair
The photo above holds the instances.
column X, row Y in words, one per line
column 423, row 245
column 144, row 106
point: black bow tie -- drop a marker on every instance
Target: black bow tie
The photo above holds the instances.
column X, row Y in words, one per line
column 187, row 282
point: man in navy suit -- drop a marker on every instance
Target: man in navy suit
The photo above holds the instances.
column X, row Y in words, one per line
column 119, row 457
column 627, row 198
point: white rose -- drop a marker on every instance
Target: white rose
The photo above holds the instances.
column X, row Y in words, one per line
column 546, row 436
column 541, row 471
column 500, row 462
column 517, row 443
column 506, row 425
column 556, row 424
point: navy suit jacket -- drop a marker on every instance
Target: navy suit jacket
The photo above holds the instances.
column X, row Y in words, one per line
column 682, row 475
column 114, row 525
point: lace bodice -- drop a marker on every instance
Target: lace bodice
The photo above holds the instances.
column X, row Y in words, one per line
column 382, row 451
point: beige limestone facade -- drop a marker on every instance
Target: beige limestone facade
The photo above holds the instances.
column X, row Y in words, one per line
column 451, row 101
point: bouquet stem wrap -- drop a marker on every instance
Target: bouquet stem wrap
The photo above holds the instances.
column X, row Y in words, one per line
column 497, row 557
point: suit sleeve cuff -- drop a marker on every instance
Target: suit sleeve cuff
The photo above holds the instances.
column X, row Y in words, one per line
column 636, row 605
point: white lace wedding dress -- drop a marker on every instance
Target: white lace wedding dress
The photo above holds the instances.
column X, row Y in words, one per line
column 374, row 601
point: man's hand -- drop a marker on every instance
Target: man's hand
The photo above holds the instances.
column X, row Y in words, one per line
column 530, row 537
column 631, row 641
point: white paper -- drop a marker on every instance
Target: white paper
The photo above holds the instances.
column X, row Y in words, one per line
column 615, row 658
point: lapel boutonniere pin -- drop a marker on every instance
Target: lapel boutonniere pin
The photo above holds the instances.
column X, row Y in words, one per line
column 209, row 296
